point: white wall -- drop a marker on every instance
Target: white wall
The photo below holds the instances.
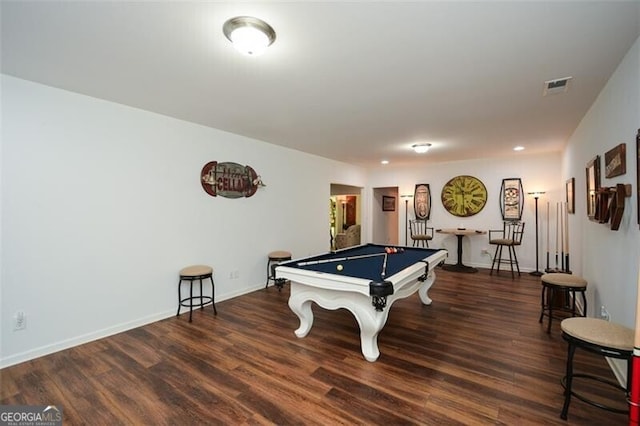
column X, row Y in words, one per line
column 102, row 206
column 538, row 173
column 609, row 259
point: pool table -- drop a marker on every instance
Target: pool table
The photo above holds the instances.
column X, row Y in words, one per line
column 363, row 279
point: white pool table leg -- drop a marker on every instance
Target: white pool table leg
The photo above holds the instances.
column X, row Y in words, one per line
column 302, row 309
column 424, row 288
column 370, row 322
column 369, row 344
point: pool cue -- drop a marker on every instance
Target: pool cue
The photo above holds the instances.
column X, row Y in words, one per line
column 548, row 226
column 384, row 267
column 566, row 221
column 634, row 394
column 339, row 259
column 561, row 210
column 557, row 236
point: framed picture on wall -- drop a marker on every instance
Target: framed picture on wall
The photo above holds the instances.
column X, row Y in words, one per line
column 571, row 199
column 593, row 184
column 388, row 203
column 422, row 201
column 615, row 161
column 511, row 199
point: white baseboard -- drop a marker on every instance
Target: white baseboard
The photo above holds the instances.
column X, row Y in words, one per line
column 105, row 332
column 619, row 368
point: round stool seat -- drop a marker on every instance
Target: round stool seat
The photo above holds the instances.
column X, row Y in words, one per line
column 273, row 259
column 191, row 274
column 602, row 338
column 599, row 332
column 196, row 271
column 567, row 284
column 564, row 280
column 279, row 255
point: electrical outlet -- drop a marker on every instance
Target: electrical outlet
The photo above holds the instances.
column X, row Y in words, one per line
column 19, row 321
column 604, row 314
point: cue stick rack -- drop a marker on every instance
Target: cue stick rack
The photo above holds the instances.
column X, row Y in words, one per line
column 561, row 240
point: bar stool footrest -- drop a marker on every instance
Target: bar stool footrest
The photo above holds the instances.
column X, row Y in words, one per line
column 583, row 398
column 204, row 301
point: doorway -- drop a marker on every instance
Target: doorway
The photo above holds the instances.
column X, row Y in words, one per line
column 385, row 216
column 344, row 209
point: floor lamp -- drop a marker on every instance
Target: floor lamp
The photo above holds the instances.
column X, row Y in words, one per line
column 406, row 216
column 536, row 195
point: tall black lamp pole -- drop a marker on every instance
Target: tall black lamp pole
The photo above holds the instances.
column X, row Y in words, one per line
column 406, row 216
column 536, row 195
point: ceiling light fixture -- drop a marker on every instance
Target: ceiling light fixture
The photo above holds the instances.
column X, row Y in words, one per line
column 518, row 148
column 421, row 148
column 384, row 162
column 249, row 35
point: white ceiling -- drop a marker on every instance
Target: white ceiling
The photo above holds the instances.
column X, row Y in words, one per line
column 357, row 82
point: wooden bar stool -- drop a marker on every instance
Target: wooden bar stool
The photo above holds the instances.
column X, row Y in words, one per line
column 191, row 274
column 603, row 338
column 274, row 258
column 567, row 285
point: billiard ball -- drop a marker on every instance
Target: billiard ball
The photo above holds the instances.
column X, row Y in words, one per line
column 339, row 267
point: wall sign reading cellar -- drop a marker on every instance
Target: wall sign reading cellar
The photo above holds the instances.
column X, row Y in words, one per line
column 230, row 180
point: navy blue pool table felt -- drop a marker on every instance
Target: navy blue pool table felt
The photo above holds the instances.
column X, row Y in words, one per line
column 366, row 267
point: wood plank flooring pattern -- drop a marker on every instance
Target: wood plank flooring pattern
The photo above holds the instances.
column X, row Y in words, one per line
column 476, row 356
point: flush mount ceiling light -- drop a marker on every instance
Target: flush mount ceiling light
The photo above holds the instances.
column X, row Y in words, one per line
column 518, row 148
column 421, row 148
column 249, row 35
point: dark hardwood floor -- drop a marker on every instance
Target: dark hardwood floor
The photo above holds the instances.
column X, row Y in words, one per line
column 477, row 355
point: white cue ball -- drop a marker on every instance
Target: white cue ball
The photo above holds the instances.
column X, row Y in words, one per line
column 339, row 267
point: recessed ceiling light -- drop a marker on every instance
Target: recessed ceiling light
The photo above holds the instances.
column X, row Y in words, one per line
column 421, row 148
column 518, row 148
column 384, row 162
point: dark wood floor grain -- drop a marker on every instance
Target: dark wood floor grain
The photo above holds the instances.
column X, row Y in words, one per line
column 476, row 356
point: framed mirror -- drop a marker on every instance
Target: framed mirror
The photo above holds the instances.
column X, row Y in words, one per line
column 593, row 184
column 570, row 190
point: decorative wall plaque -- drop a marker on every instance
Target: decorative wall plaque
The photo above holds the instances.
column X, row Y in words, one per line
column 230, row 180
column 615, row 161
column 511, row 199
column 422, row 201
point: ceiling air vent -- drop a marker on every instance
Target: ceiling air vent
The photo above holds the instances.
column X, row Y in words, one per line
column 559, row 85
